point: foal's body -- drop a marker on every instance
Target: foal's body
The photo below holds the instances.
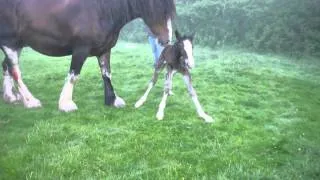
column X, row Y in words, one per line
column 176, row 58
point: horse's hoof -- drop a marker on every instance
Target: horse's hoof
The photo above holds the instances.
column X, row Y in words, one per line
column 67, row 106
column 32, row 103
column 119, row 102
column 160, row 116
column 10, row 98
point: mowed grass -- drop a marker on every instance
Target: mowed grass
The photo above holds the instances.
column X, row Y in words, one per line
column 266, row 109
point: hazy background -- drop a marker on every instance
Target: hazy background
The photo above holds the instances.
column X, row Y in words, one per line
column 290, row 27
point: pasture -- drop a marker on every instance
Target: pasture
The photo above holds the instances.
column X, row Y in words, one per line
column 266, row 109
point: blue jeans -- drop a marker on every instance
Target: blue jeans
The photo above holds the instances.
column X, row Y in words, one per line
column 156, row 48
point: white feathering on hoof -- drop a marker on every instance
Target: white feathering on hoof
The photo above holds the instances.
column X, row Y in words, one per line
column 119, row 102
column 31, row 103
column 67, row 106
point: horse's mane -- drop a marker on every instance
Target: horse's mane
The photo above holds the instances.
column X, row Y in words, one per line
column 158, row 9
column 154, row 10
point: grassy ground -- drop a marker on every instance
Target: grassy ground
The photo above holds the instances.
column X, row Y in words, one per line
column 266, row 107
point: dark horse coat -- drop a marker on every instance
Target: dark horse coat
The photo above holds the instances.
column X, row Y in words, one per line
column 80, row 28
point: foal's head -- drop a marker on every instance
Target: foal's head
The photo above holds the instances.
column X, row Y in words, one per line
column 185, row 47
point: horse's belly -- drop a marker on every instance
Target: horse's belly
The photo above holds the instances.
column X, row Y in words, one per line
column 48, row 46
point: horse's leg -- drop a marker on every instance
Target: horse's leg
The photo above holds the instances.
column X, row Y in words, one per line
column 8, row 85
column 12, row 55
column 110, row 96
column 166, row 93
column 193, row 94
column 66, row 103
column 153, row 81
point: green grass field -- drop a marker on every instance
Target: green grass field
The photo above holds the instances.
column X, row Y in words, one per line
column 267, row 111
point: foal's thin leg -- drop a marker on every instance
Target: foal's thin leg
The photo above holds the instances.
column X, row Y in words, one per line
column 153, row 81
column 166, row 93
column 8, row 85
column 193, row 94
column 13, row 59
column 110, row 96
column 66, row 103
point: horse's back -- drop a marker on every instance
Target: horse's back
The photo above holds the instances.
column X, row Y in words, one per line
column 49, row 27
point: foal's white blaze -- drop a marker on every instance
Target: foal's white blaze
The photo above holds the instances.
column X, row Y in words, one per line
column 169, row 26
column 188, row 48
column 65, row 102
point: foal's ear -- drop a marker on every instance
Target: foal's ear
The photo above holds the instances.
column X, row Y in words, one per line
column 178, row 36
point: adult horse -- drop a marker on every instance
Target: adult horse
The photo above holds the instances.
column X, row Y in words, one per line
column 80, row 28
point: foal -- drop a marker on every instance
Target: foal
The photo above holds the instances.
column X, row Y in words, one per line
column 176, row 58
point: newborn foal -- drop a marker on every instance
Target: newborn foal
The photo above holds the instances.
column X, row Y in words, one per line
column 176, row 58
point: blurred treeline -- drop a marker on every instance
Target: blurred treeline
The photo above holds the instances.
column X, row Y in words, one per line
column 281, row 26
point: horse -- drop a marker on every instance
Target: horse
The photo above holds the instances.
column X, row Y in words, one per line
column 176, row 58
column 81, row 28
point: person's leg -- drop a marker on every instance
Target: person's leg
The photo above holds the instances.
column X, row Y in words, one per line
column 159, row 49
column 153, row 44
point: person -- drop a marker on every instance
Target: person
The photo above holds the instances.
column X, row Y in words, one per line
column 155, row 45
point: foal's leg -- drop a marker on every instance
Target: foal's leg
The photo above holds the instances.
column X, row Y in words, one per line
column 193, row 94
column 12, row 55
column 153, row 81
column 8, row 85
column 166, row 93
column 110, row 96
column 66, row 103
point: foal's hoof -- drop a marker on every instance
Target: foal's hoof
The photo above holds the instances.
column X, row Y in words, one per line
column 160, row 116
column 139, row 103
column 31, row 103
column 67, row 106
column 207, row 118
column 119, row 102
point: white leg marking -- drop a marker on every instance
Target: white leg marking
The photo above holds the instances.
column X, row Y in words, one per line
column 169, row 26
column 65, row 102
column 143, row 99
column 13, row 55
column 8, row 87
column 196, row 102
column 119, row 102
column 28, row 100
column 106, row 73
column 167, row 89
column 188, row 48
column 162, row 106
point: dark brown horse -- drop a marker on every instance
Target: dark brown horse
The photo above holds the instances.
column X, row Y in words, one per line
column 80, row 28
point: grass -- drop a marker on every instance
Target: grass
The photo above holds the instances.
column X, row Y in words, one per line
column 266, row 107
